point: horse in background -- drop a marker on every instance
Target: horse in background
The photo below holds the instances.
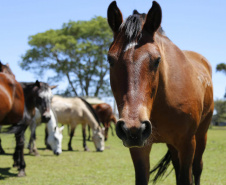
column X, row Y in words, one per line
column 55, row 135
column 38, row 95
column 12, row 110
column 163, row 95
column 74, row 111
column 106, row 116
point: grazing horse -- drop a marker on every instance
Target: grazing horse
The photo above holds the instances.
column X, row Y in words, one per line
column 74, row 111
column 55, row 135
column 106, row 116
column 12, row 108
column 163, row 95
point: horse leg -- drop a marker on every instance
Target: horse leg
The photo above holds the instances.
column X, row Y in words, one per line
column 106, row 127
column 46, row 137
column 186, row 155
column 175, row 161
column 112, row 131
column 201, row 137
column 1, row 149
column 20, row 153
column 71, row 136
column 32, row 145
column 140, row 157
column 84, row 137
column 89, row 136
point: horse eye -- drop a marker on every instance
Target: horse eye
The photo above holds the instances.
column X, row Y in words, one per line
column 157, row 61
column 110, row 61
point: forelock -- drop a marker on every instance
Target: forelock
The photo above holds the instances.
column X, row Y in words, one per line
column 132, row 27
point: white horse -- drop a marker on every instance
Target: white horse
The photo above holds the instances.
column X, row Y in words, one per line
column 74, row 111
column 55, row 135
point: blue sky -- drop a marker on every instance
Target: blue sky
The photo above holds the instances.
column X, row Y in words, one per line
column 192, row 25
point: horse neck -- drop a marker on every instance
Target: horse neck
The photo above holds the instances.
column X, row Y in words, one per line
column 172, row 59
column 91, row 121
column 52, row 122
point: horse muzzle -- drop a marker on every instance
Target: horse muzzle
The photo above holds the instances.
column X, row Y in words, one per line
column 133, row 136
column 99, row 150
column 57, row 152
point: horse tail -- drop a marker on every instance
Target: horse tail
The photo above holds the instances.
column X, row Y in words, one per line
column 161, row 167
column 91, row 110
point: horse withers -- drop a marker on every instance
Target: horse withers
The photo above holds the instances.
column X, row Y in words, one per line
column 12, row 108
column 163, row 95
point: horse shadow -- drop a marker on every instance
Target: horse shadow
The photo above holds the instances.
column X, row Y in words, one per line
column 5, row 173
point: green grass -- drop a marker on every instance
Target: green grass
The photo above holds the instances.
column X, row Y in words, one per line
column 111, row 167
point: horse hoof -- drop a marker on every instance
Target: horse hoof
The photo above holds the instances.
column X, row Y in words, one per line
column 15, row 165
column 21, row 173
column 2, row 152
column 70, row 149
column 86, row 149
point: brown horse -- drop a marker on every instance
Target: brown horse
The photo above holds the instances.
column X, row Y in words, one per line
column 12, row 108
column 106, row 116
column 163, row 95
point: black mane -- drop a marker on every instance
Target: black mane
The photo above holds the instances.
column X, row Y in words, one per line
column 133, row 26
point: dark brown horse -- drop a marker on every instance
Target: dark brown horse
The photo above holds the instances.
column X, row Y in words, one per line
column 106, row 116
column 163, row 95
column 12, row 108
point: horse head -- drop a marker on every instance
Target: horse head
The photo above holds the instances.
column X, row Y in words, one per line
column 98, row 139
column 38, row 95
column 55, row 140
column 134, row 59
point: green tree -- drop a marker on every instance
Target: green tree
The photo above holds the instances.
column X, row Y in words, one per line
column 220, row 108
column 77, row 51
column 221, row 67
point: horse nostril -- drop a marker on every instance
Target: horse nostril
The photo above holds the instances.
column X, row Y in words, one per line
column 121, row 130
column 146, row 129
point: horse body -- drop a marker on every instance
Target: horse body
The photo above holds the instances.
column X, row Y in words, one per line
column 12, row 100
column 55, row 135
column 163, row 95
column 74, row 111
column 105, row 115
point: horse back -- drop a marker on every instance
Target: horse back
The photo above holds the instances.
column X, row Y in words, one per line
column 198, row 59
column 104, row 112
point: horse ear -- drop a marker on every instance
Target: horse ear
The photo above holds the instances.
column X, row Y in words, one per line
column 153, row 18
column 0, row 65
column 7, row 65
column 37, row 83
column 61, row 129
column 53, row 86
column 114, row 16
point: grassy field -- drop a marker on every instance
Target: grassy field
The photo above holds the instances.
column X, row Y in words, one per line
column 111, row 167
